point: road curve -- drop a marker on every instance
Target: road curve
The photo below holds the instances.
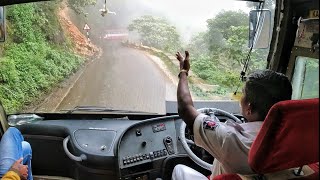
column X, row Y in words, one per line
column 122, row 78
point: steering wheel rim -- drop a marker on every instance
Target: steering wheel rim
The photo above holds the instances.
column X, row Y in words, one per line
column 183, row 139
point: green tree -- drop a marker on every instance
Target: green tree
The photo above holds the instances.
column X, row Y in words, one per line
column 78, row 5
column 219, row 28
column 224, row 20
column 236, row 49
column 33, row 60
column 226, row 41
column 156, row 32
column 198, row 44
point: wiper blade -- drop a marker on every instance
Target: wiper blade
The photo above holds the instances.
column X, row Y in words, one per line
column 99, row 109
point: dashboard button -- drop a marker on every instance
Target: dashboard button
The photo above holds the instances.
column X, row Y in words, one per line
column 168, row 140
column 138, row 132
column 151, row 155
column 144, row 144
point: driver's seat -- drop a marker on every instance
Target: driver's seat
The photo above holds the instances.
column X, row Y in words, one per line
column 289, row 138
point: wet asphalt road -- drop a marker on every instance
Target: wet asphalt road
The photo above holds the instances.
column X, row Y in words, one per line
column 122, row 78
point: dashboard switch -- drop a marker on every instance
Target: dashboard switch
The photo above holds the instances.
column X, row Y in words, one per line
column 138, row 132
column 144, row 144
column 165, row 152
column 168, row 144
column 150, row 155
column 103, row 147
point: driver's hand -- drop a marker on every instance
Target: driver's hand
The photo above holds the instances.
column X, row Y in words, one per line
column 184, row 62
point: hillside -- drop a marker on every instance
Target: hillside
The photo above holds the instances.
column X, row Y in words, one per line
column 43, row 48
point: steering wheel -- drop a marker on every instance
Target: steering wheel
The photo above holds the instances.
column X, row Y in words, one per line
column 185, row 141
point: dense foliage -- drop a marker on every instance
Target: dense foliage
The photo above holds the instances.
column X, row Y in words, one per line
column 35, row 56
column 220, row 53
column 156, row 32
column 217, row 55
column 77, row 5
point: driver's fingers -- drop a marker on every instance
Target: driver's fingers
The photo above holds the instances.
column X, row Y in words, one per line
column 187, row 55
column 179, row 56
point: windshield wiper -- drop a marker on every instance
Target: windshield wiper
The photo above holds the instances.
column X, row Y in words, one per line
column 100, row 109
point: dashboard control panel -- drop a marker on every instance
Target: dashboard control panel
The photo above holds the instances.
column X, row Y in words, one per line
column 168, row 144
column 144, row 157
column 147, row 142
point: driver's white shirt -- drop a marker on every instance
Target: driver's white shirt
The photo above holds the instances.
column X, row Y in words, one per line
column 228, row 143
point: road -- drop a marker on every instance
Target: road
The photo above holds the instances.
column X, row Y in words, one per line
column 122, row 78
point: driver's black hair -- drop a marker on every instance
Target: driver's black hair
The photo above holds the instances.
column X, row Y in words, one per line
column 264, row 88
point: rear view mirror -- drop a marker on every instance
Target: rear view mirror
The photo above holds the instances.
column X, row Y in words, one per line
column 259, row 29
column 2, row 25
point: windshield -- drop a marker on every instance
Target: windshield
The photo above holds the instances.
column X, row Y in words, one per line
column 120, row 55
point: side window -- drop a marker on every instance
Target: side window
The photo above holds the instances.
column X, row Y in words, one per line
column 305, row 80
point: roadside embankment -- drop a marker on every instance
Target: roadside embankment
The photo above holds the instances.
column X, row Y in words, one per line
column 170, row 66
column 49, row 101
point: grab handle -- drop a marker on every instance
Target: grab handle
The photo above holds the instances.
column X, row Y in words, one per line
column 80, row 158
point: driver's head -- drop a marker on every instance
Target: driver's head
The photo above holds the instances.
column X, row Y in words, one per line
column 261, row 91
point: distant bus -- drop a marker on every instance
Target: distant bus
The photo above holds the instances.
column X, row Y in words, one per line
column 116, row 34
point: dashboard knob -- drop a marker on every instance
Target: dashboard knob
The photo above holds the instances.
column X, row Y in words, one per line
column 144, row 144
column 103, row 147
column 138, row 132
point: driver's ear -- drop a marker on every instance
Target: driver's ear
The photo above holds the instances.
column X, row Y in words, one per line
column 249, row 109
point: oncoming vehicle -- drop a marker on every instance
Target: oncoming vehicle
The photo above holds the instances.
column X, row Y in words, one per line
column 95, row 96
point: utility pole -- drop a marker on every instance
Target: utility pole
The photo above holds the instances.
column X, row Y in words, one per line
column 86, row 26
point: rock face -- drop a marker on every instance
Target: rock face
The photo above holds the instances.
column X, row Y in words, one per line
column 82, row 45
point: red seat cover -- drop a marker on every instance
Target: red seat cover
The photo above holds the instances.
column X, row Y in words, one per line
column 289, row 137
column 227, row 177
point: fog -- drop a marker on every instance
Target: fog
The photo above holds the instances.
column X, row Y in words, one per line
column 189, row 16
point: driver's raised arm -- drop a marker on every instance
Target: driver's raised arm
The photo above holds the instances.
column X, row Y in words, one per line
column 225, row 141
column 191, row 117
column 186, row 109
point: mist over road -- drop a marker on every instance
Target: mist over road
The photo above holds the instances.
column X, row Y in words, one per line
column 122, row 78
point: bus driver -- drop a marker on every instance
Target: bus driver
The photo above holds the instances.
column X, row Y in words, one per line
column 229, row 143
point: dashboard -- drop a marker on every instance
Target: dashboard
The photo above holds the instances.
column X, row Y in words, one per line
column 114, row 148
column 109, row 147
column 145, row 144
